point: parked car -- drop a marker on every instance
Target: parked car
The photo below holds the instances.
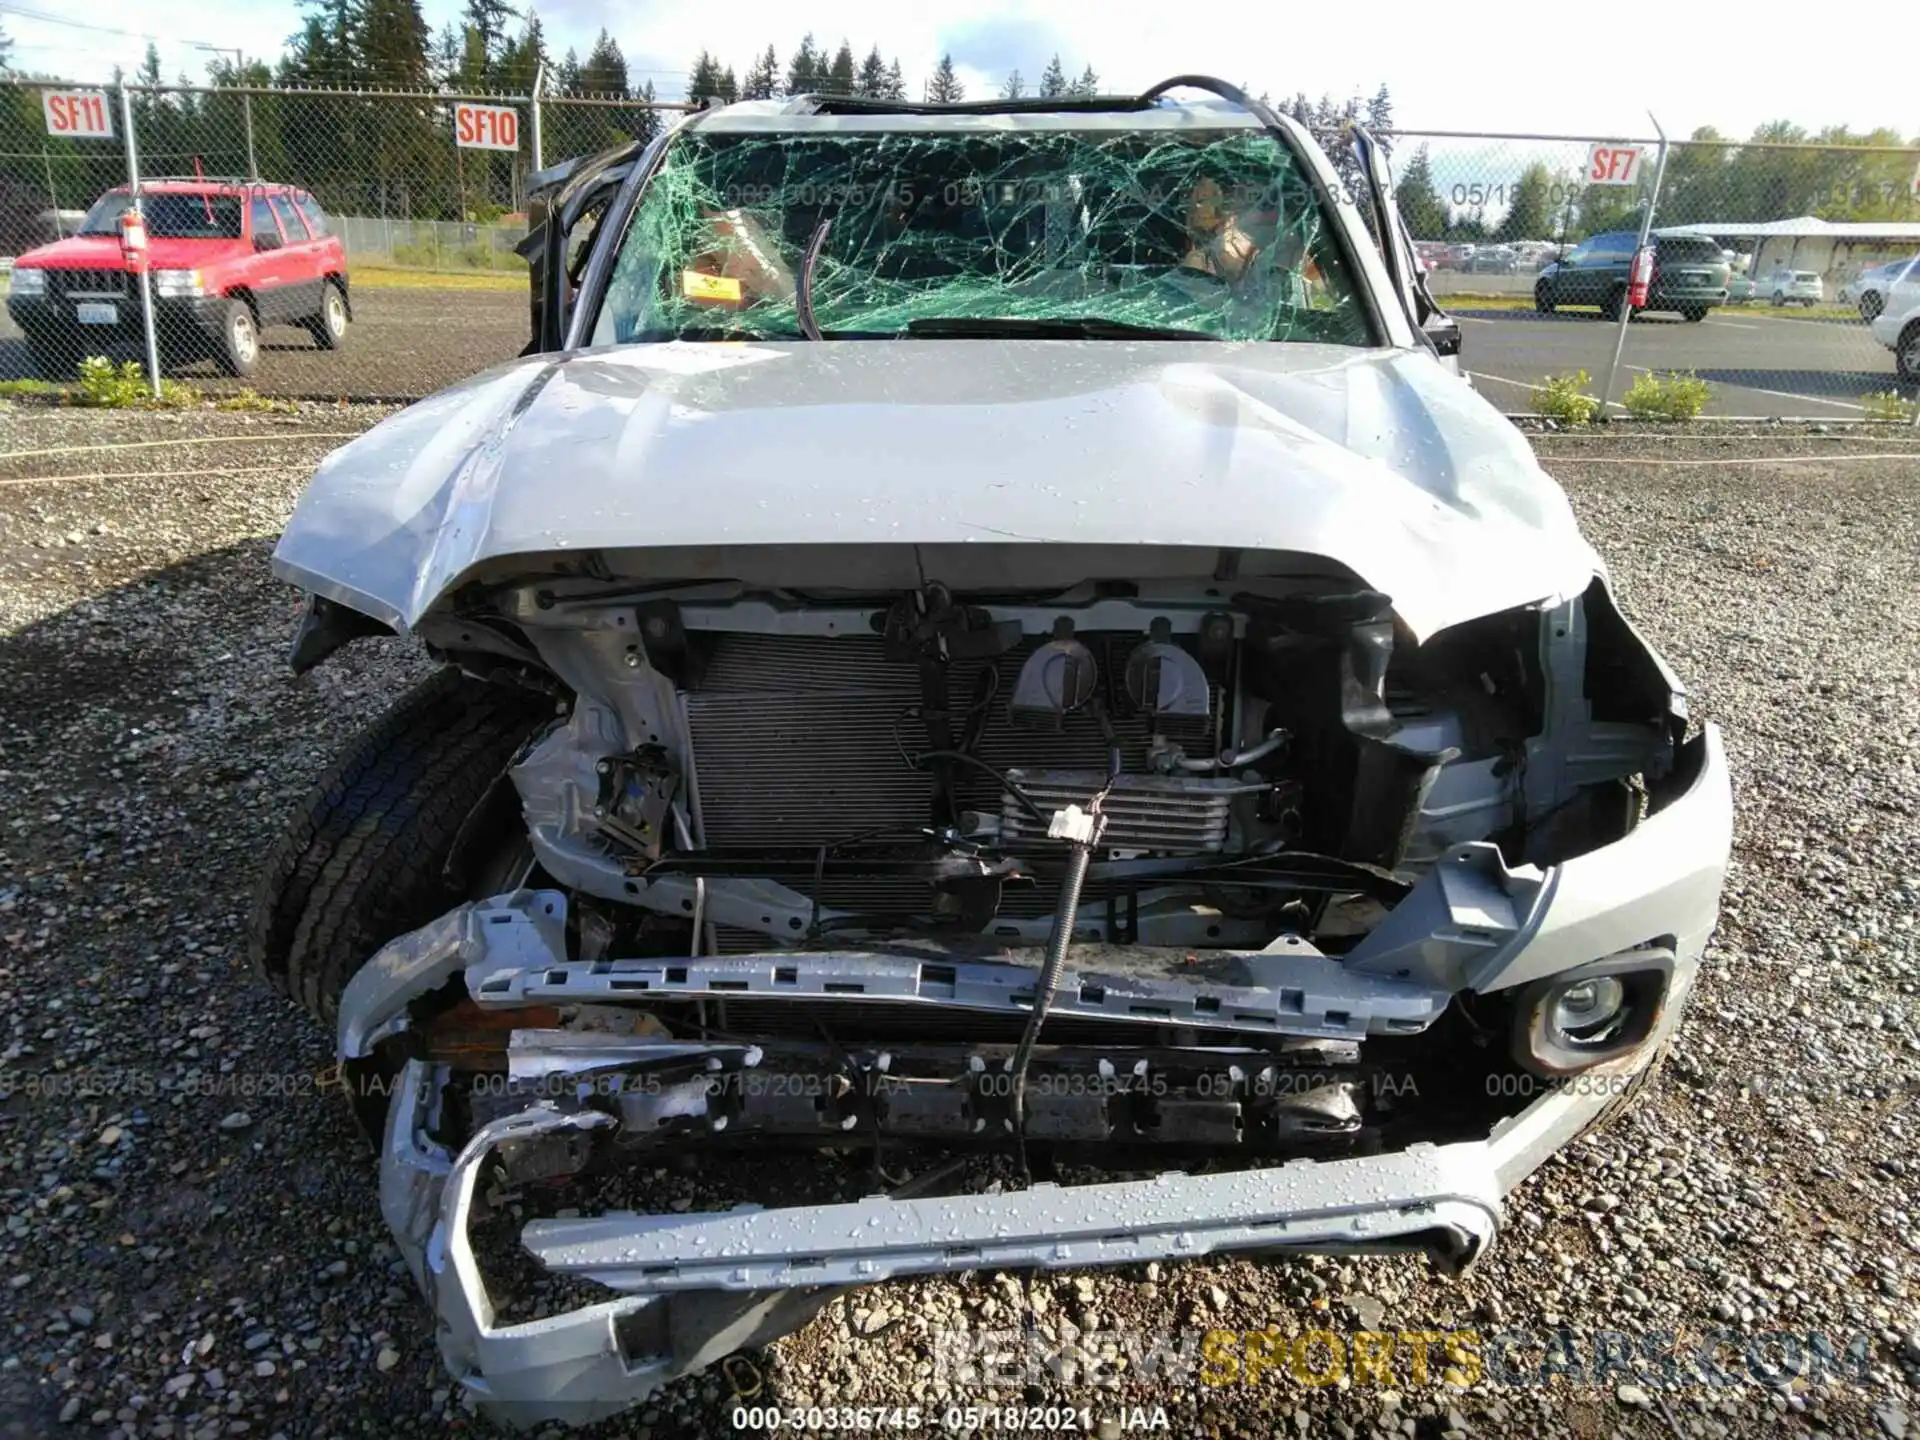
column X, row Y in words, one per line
column 1897, row 326
column 1494, row 260
column 1739, row 289
column 1795, row 287
column 1868, row 290
column 228, row 257
column 1084, row 712
column 1690, row 275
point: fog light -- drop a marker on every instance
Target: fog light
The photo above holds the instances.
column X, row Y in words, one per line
column 1570, row 1022
column 1585, row 1010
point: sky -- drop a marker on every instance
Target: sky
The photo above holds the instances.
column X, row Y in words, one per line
column 1502, row 71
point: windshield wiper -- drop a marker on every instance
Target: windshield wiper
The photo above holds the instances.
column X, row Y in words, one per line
column 1086, row 327
column 803, row 288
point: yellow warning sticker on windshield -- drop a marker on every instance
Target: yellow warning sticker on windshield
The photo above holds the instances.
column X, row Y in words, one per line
column 697, row 285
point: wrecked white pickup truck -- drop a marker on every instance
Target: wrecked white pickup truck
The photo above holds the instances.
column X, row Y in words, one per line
column 985, row 630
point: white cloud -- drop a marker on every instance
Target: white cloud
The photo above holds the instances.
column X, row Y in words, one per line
column 1487, row 70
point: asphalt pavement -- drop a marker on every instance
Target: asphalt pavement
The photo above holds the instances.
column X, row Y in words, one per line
column 1759, row 363
column 406, row 343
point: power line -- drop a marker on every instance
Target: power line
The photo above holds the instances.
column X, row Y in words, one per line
column 26, row 13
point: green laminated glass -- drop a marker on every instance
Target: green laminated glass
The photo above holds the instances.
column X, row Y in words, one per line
column 1215, row 232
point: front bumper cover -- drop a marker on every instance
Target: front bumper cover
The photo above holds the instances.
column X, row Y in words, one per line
column 691, row 1288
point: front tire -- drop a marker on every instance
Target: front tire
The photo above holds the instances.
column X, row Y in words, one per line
column 364, row 857
column 236, row 349
column 1871, row 305
column 329, row 327
column 1611, row 307
column 1543, row 300
column 1906, row 354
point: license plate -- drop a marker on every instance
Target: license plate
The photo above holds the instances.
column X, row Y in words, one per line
column 97, row 314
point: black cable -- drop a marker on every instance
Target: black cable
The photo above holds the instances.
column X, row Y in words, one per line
column 1007, row 783
column 1061, row 937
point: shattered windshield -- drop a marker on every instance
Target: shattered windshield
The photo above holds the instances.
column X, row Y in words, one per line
column 1217, row 233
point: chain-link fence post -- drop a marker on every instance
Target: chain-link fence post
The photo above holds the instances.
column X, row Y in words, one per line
column 539, row 74
column 1626, row 303
column 141, row 277
column 53, row 195
column 246, row 111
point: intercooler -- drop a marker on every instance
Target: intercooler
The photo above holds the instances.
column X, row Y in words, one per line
column 805, row 740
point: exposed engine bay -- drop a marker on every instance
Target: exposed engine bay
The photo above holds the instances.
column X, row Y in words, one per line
column 1088, row 867
column 1214, row 904
column 746, row 771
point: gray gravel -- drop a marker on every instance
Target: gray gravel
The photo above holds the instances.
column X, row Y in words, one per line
column 189, row 1241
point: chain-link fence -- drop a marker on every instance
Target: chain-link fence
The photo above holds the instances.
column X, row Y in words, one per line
column 301, row 242
column 362, row 245
column 1779, row 271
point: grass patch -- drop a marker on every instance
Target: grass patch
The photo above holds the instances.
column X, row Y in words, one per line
column 1463, row 300
column 253, row 402
column 1679, row 396
column 106, row 386
column 1887, row 405
column 1564, row 398
column 388, row 277
column 29, row 389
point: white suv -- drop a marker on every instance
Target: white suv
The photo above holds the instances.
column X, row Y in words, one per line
column 1804, row 286
column 1898, row 326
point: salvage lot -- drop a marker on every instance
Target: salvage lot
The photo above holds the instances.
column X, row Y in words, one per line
column 407, row 342
column 1758, row 363
column 201, row 1246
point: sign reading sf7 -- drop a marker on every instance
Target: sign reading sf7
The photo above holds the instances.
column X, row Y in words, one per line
column 1609, row 164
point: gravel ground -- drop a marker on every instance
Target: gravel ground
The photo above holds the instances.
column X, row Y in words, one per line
column 191, row 1242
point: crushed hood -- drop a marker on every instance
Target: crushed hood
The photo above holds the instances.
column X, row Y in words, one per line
column 1381, row 461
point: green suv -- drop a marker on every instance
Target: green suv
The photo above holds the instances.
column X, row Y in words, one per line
column 1690, row 275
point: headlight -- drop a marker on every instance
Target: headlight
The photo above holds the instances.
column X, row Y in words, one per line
column 177, row 283
column 29, row 282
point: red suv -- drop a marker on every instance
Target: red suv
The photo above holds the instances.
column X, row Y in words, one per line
column 227, row 257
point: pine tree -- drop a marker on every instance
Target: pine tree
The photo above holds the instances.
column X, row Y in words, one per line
column 6, row 52
column 1419, row 202
column 1053, row 80
column 762, row 79
column 896, row 82
column 1014, row 88
column 447, row 49
column 521, row 59
column 872, row 79
column 566, row 80
column 393, row 43
column 605, row 72
column 945, row 87
column 1087, row 84
column 490, row 18
column 839, row 79
column 646, row 121
column 803, row 71
column 1380, row 111
column 703, row 82
column 1530, row 212
column 727, row 87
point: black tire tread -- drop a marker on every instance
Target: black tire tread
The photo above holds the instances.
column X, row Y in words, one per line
column 361, row 860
